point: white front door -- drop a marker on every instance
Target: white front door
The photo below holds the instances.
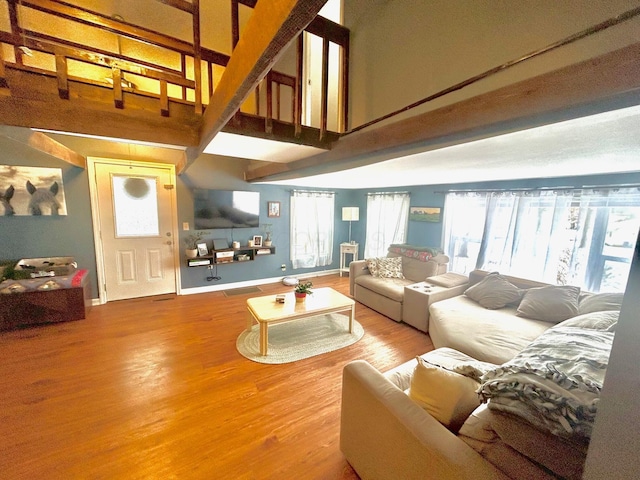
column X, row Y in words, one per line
column 135, row 205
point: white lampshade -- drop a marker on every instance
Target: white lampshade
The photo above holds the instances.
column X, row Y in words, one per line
column 350, row 214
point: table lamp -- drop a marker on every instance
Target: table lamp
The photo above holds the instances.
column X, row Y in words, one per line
column 350, row 214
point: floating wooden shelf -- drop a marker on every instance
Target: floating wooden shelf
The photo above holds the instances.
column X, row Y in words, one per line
column 230, row 255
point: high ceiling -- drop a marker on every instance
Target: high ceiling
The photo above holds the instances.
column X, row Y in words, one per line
column 603, row 143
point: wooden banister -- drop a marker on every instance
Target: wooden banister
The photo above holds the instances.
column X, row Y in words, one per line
column 119, row 64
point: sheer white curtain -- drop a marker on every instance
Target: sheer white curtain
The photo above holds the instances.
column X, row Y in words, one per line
column 312, row 218
column 577, row 237
column 525, row 233
column 387, row 220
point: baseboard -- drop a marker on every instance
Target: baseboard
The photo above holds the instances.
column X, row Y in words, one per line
column 252, row 283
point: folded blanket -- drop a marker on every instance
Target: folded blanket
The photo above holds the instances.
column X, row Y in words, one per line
column 555, row 382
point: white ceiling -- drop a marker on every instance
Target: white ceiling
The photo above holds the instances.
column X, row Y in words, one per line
column 244, row 146
column 604, row 143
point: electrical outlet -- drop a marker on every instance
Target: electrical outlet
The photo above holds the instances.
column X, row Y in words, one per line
column 185, row 225
column 283, row 267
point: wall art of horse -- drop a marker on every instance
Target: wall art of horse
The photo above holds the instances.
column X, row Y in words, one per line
column 5, row 201
column 43, row 197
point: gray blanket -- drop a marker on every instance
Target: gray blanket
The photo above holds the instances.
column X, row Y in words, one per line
column 555, row 382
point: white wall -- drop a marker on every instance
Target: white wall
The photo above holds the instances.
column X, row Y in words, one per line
column 404, row 50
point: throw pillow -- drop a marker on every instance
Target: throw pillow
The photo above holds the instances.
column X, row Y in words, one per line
column 494, row 291
column 599, row 302
column 389, row 268
column 550, row 304
column 605, row 320
column 447, row 396
column 372, row 265
column 448, row 280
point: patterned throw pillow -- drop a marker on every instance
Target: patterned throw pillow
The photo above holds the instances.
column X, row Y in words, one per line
column 372, row 265
column 389, row 268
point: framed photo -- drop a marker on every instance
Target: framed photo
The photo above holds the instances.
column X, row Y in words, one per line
column 257, row 240
column 202, row 249
column 425, row 214
column 273, row 209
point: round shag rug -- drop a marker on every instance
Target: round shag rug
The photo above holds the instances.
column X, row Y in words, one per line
column 299, row 339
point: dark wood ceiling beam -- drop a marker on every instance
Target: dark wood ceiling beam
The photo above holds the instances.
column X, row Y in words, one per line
column 269, row 29
column 553, row 96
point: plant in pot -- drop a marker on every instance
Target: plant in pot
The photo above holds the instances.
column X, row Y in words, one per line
column 302, row 290
column 191, row 244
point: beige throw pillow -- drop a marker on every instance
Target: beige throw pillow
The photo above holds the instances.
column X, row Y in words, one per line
column 494, row 291
column 550, row 304
column 447, row 396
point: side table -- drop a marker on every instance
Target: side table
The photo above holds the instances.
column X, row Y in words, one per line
column 418, row 297
column 346, row 249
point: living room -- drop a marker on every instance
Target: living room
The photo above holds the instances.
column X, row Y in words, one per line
column 372, row 96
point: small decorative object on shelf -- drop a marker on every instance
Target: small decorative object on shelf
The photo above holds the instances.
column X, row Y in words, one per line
column 191, row 244
column 267, row 234
column 302, row 290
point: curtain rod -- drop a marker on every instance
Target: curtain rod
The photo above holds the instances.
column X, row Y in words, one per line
column 538, row 189
column 312, row 191
column 387, row 193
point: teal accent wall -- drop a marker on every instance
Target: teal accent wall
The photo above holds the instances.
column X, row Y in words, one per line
column 72, row 235
column 50, row 236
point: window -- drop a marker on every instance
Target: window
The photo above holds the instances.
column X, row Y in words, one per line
column 135, row 208
column 575, row 237
column 387, row 219
column 312, row 215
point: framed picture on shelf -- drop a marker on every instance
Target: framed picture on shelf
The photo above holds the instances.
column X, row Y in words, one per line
column 257, row 240
column 202, row 249
column 425, row 214
column 273, row 209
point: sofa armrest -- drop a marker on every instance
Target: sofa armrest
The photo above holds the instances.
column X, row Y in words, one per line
column 356, row 268
column 385, row 435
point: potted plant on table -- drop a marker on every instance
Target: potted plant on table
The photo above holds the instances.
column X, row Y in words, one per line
column 302, row 290
column 191, row 244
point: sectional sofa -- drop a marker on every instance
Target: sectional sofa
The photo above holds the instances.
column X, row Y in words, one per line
column 510, row 391
column 380, row 283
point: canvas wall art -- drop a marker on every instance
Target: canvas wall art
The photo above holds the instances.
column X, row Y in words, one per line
column 425, row 214
column 31, row 191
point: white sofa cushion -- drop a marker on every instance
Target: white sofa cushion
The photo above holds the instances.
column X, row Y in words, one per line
column 494, row 336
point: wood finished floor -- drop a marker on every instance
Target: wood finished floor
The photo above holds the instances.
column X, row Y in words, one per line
column 154, row 388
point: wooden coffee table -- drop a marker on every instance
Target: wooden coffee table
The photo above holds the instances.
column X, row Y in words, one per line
column 267, row 312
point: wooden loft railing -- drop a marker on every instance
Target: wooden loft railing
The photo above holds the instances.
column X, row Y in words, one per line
column 169, row 69
column 329, row 32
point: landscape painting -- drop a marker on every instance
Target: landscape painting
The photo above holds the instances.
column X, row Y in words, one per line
column 31, row 191
column 425, row 214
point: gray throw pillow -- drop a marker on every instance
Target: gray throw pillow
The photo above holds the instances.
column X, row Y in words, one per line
column 599, row 302
column 550, row 304
column 494, row 291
